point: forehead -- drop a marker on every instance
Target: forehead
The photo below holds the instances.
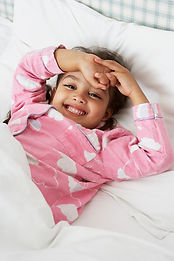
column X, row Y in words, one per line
column 76, row 76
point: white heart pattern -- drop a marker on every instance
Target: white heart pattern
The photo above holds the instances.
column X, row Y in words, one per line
column 89, row 155
column 69, row 210
column 73, row 185
column 27, row 83
column 70, row 127
column 67, row 164
column 45, row 60
column 55, row 115
column 35, row 124
column 17, row 121
column 94, row 140
column 149, row 143
column 31, row 159
column 142, row 111
column 121, row 174
column 133, row 148
column 105, row 141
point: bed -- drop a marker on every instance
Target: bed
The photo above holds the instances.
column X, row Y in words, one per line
column 131, row 220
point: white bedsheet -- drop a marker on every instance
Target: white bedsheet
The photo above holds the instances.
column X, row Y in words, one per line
column 79, row 243
column 149, row 201
column 27, row 230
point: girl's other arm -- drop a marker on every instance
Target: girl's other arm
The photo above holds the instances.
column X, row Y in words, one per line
column 121, row 78
column 150, row 151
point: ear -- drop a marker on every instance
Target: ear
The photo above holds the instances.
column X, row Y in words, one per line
column 108, row 114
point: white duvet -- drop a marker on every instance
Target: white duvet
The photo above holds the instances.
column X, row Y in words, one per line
column 27, row 230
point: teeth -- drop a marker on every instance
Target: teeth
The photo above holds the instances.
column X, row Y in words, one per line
column 75, row 111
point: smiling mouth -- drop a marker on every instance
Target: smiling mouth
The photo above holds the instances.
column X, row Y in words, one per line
column 75, row 110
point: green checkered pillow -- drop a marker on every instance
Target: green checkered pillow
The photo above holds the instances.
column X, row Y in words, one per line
column 153, row 13
column 6, row 9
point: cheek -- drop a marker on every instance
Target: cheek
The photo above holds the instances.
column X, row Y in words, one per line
column 58, row 97
column 102, row 107
column 55, row 102
column 99, row 110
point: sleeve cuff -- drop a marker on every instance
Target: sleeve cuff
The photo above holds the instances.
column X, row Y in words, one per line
column 49, row 60
column 147, row 111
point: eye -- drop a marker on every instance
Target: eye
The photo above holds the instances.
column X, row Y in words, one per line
column 69, row 86
column 94, row 95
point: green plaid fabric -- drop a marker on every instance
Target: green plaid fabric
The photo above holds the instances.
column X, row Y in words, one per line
column 6, row 9
column 153, row 13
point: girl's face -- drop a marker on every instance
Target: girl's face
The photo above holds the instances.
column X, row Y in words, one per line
column 80, row 102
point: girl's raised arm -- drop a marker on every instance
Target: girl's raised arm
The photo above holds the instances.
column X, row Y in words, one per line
column 31, row 75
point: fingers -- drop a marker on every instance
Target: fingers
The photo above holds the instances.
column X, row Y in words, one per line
column 112, row 79
column 102, row 78
column 108, row 79
column 99, row 83
column 111, row 64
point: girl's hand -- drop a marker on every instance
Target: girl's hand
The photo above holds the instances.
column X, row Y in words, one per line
column 121, row 78
column 73, row 60
column 89, row 68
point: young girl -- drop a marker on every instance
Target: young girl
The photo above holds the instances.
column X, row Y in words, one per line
column 71, row 145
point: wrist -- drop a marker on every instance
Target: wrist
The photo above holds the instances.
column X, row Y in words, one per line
column 69, row 60
column 138, row 97
column 84, row 61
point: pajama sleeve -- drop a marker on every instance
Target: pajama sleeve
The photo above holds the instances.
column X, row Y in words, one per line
column 148, row 153
column 31, row 75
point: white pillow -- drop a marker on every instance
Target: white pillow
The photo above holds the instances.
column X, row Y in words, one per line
column 148, row 52
column 8, row 62
column 5, row 33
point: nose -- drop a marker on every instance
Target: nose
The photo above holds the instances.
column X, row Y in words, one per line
column 79, row 99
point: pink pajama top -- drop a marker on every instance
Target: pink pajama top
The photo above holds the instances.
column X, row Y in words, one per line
column 68, row 162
